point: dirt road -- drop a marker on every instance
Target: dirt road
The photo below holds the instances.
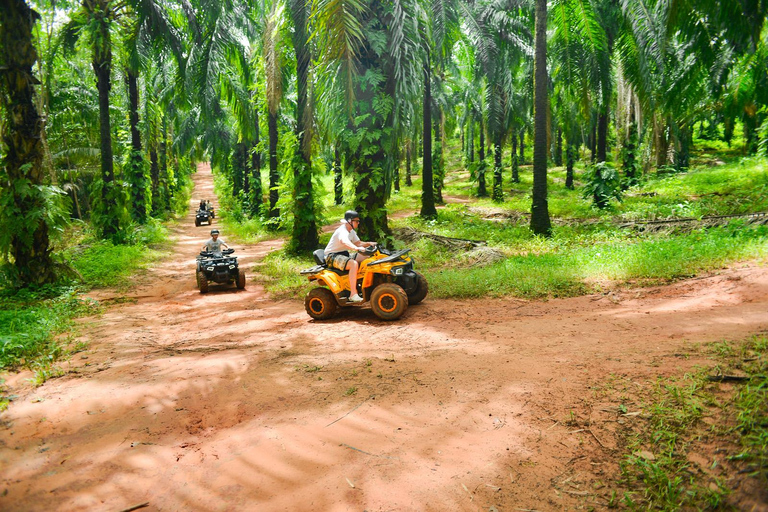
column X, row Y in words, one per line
column 232, row 401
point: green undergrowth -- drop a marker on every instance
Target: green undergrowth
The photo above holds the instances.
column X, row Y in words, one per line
column 33, row 320
column 572, row 266
column 670, row 462
column 588, row 251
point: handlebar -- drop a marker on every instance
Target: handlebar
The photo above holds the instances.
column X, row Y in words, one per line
column 208, row 254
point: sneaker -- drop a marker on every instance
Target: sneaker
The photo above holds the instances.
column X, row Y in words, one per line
column 355, row 298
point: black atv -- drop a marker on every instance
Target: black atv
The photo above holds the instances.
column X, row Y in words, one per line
column 203, row 216
column 222, row 269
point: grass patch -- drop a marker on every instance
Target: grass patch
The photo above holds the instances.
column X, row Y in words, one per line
column 565, row 267
column 657, row 470
column 30, row 321
column 33, row 319
column 279, row 274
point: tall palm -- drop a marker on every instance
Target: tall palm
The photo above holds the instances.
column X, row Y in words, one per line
column 502, row 41
column 304, row 236
column 372, row 51
column 96, row 20
column 22, row 193
column 540, row 223
column 148, row 31
column 274, row 75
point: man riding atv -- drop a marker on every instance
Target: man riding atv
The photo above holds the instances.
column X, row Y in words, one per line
column 343, row 240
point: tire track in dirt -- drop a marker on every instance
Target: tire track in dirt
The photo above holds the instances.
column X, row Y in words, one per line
column 232, row 401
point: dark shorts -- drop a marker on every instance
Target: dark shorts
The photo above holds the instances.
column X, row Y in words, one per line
column 337, row 260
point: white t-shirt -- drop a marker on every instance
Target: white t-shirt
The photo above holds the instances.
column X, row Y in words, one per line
column 342, row 240
column 214, row 246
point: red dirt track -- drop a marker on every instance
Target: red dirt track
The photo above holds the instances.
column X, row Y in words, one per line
column 232, row 401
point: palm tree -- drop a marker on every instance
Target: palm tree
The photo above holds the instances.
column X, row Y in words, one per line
column 370, row 52
column 540, row 223
column 96, row 20
column 273, row 70
column 304, row 236
column 22, row 176
column 148, row 23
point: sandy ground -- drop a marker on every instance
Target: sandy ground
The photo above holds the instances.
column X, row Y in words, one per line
column 233, row 401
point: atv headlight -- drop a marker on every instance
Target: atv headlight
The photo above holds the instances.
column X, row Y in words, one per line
column 209, row 269
column 397, row 271
column 231, row 267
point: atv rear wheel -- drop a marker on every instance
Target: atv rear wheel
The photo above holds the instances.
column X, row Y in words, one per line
column 202, row 282
column 240, row 279
column 389, row 301
column 320, row 303
column 422, row 288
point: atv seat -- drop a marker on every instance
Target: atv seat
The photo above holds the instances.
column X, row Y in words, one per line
column 319, row 256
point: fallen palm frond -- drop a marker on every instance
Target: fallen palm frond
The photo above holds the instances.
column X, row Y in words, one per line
column 410, row 235
column 476, row 252
column 688, row 224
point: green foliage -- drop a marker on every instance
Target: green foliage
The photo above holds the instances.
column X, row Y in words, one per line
column 103, row 263
column 279, row 273
column 23, row 205
column 751, row 407
column 136, row 172
column 110, row 214
column 656, row 469
column 602, row 185
column 30, row 320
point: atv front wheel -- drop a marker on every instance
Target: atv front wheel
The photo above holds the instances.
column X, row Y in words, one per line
column 422, row 288
column 197, row 222
column 389, row 301
column 240, row 279
column 202, row 282
column 320, row 303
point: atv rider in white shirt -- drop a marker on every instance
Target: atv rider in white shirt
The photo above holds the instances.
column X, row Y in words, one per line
column 215, row 245
column 345, row 239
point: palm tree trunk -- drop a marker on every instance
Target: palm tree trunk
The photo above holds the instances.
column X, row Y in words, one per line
column 514, row 164
column 256, row 192
column 304, row 236
column 482, row 190
column 602, row 135
column 154, row 174
column 274, row 176
column 338, row 178
column 102, row 68
column 135, row 166
column 498, row 193
column 559, row 148
column 408, row 147
column 540, row 223
column 164, row 182
column 522, row 147
column 569, row 161
column 22, row 127
column 438, row 173
column 428, row 209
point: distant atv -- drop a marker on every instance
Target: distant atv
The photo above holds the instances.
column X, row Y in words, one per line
column 385, row 278
column 221, row 269
column 203, row 216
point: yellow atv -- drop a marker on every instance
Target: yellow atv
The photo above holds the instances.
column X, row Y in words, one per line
column 385, row 279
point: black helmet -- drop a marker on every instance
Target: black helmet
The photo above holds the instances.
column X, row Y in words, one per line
column 351, row 214
column 214, row 232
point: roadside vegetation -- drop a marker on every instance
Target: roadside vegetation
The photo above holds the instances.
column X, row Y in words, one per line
column 36, row 323
column 700, row 436
column 591, row 249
